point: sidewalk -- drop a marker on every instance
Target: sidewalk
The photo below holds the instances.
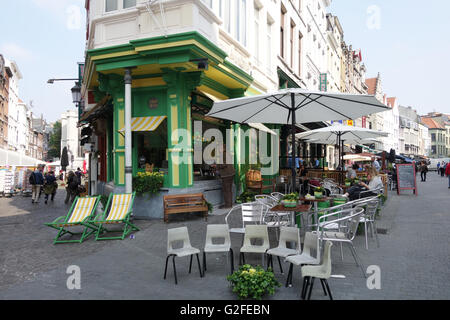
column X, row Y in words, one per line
column 413, row 257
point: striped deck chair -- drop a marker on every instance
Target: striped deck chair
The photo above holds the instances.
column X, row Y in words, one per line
column 80, row 214
column 118, row 213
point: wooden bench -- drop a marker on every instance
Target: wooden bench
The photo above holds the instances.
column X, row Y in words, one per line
column 185, row 203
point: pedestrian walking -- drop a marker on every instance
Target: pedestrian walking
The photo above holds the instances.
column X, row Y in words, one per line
column 443, row 164
column 50, row 186
column 72, row 187
column 423, row 171
column 36, row 181
column 79, row 175
column 447, row 173
column 438, row 168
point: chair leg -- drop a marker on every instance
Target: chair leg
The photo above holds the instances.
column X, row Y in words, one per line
column 165, row 269
column 304, row 287
column 323, row 287
column 342, row 251
column 311, row 287
column 289, row 277
column 328, row 289
column 204, row 261
column 365, row 234
column 232, row 260
column 355, row 256
column 199, row 267
column 174, row 270
column 279, row 263
column 190, row 265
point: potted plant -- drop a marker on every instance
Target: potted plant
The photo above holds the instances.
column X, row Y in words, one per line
column 253, row 282
column 148, row 183
column 290, row 200
column 348, row 182
column 318, row 192
column 246, row 197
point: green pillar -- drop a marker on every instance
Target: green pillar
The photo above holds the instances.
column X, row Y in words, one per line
column 114, row 85
column 180, row 148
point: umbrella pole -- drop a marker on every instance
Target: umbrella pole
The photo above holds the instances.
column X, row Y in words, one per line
column 293, row 166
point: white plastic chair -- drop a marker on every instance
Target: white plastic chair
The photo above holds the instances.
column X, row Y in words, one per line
column 255, row 232
column 322, row 272
column 178, row 235
column 287, row 234
column 218, row 231
column 310, row 255
column 346, row 233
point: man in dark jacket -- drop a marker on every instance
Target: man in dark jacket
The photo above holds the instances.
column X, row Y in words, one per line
column 36, row 180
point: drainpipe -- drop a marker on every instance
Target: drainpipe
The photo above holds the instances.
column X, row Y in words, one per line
column 128, row 161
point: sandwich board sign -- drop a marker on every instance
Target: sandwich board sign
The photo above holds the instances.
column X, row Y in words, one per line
column 406, row 177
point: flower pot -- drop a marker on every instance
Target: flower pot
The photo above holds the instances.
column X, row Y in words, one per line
column 347, row 184
column 318, row 195
column 289, row 203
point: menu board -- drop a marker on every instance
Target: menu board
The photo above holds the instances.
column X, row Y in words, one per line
column 406, row 177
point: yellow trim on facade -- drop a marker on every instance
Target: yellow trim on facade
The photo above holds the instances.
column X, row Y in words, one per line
column 219, row 96
column 175, row 170
column 121, row 169
column 121, row 125
column 114, row 55
column 174, row 123
column 178, row 44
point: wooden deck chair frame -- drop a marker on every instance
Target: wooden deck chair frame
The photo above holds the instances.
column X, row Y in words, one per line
column 128, row 226
column 62, row 226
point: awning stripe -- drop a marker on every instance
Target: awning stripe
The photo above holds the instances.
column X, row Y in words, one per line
column 145, row 123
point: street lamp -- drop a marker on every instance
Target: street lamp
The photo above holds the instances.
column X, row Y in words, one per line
column 52, row 81
column 76, row 93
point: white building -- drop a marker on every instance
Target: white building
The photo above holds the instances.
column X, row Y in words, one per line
column 335, row 36
column 70, row 138
column 14, row 110
column 424, row 140
column 391, row 125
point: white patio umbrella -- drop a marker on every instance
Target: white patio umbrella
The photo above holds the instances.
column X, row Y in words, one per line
column 292, row 106
column 339, row 134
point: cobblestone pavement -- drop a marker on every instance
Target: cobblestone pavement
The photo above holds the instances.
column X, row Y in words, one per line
column 413, row 256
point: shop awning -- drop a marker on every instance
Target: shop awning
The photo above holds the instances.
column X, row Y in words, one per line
column 145, row 123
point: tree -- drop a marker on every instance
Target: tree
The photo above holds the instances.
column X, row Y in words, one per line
column 54, row 144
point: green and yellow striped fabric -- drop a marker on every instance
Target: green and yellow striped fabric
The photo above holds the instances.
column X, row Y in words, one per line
column 119, row 207
column 83, row 209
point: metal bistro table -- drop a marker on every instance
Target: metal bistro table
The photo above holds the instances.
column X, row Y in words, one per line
column 316, row 209
column 299, row 208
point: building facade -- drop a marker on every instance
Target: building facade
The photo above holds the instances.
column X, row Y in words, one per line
column 438, row 134
column 409, row 131
column 70, row 138
column 5, row 75
column 14, row 114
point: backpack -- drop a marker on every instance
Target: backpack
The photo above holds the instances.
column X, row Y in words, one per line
column 32, row 179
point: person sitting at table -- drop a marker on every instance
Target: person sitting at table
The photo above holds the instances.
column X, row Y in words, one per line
column 351, row 173
column 375, row 183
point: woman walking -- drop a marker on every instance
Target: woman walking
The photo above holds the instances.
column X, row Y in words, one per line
column 423, row 171
column 72, row 187
column 50, row 186
column 447, row 173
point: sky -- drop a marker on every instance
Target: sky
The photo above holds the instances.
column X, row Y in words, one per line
column 407, row 41
column 46, row 39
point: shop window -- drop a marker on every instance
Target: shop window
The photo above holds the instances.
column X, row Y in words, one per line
column 151, row 148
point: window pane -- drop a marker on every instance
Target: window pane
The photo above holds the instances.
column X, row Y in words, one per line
column 129, row 3
column 111, row 5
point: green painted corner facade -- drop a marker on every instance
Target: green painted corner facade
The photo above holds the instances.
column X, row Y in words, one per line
column 163, row 71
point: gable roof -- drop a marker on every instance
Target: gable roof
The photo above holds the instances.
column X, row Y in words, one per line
column 431, row 123
column 372, row 85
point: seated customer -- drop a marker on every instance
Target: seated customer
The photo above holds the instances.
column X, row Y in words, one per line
column 375, row 183
column 351, row 173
